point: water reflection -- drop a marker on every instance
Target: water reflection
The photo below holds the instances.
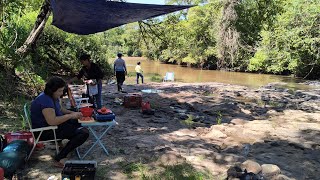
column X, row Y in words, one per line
column 184, row 74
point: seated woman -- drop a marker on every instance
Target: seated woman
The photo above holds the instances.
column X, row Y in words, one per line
column 46, row 111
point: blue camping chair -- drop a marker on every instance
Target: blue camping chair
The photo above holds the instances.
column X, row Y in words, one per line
column 168, row 77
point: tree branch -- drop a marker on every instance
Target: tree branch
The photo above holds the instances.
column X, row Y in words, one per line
column 37, row 29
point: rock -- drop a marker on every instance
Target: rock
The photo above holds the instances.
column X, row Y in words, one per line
column 234, row 172
column 159, row 121
column 215, row 134
column 183, row 116
column 281, row 177
column 251, row 166
column 245, row 111
column 171, row 159
column 237, row 93
column 238, row 121
column 270, row 171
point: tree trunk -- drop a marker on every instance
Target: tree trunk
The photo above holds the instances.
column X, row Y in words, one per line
column 34, row 35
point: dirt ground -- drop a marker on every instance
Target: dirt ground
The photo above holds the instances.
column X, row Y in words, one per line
column 206, row 125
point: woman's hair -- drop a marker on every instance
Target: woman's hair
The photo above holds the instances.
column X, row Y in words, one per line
column 53, row 84
column 138, row 63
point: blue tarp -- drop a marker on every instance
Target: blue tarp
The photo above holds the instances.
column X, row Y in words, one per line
column 92, row 16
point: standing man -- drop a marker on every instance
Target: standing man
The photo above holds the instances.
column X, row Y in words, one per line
column 93, row 76
column 120, row 70
column 139, row 72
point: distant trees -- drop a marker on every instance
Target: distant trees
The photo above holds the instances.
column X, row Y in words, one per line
column 265, row 36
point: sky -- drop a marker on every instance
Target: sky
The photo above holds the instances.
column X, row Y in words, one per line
column 147, row 1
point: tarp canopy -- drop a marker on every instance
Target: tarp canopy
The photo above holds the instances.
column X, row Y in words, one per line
column 92, row 16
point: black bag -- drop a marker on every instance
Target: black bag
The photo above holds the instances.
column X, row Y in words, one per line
column 3, row 143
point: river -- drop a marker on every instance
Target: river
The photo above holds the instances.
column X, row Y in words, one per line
column 192, row 75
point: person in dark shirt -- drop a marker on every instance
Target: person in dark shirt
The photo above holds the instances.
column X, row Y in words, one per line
column 46, row 111
column 93, row 75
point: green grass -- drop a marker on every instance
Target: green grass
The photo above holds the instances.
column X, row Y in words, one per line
column 132, row 74
column 219, row 117
column 188, row 122
column 130, row 168
column 11, row 115
column 182, row 171
column 156, row 78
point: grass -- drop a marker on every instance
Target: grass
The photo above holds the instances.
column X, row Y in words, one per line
column 131, row 169
column 188, row 122
column 102, row 171
column 12, row 115
column 183, row 171
column 156, row 78
column 219, row 117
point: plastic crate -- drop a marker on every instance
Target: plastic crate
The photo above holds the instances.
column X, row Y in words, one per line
column 21, row 135
column 75, row 169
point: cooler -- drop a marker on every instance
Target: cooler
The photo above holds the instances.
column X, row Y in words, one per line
column 79, row 169
column 132, row 100
column 104, row 117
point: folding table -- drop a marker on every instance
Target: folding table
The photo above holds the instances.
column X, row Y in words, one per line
column 90, row 125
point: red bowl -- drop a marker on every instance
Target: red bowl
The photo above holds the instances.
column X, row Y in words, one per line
column 86, row 111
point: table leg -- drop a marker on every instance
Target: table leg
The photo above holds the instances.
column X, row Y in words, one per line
column 98, row 140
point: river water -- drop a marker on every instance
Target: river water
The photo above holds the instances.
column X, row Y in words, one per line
column 191, row 75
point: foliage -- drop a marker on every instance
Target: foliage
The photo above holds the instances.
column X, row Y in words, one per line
column 184, row 39
column 156, row 78
column 292, row 45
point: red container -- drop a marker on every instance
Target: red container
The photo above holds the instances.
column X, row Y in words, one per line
column 1, row 174
column 132, row 100
column 21, row 135
column 145, row 106
column 86, row 111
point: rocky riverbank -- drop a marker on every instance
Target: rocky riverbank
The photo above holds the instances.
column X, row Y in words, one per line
column 210, row 126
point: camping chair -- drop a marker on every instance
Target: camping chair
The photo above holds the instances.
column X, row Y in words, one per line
column 169, row 76
column 77, row 102
column 37, row 140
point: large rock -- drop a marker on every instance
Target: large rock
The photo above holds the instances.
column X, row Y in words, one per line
column 251, row 166
column 238, row 121
column 270, row 171
column 215, row 134
column 281, row 177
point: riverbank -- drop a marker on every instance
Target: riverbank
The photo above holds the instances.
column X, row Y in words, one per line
column 203, row 128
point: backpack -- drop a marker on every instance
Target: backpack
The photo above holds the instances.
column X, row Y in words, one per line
column 3, row 143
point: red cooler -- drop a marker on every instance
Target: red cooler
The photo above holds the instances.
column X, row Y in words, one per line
column 132, row 100
column 22, row 135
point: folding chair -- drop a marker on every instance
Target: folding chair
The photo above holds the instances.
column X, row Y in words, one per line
column 37, row 140
column 168, row 77
column 77, row 102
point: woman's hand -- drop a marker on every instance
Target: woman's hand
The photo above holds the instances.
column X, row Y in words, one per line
column 76, row 115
